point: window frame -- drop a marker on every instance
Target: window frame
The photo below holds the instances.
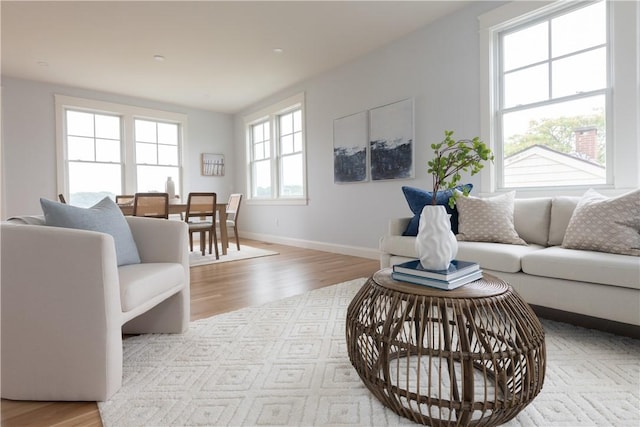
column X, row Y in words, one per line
column 128, row 114
column 621, row 92
column 272, row 115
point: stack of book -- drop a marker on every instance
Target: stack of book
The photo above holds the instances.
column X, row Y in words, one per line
column 459, row 273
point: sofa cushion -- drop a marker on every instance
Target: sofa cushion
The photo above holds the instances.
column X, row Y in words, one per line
column 531, row 219
column 584, row 266
column 487, row 219
column 418, row 199
column 141, row 283
column 105, row 217
column 562, row 208
column 495, row 256
column 605, row 225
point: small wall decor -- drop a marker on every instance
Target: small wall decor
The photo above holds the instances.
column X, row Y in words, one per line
column 391, row 141
column 212, row 164
column 350, row 159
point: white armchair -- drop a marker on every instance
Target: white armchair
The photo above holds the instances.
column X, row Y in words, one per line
column 66, row 304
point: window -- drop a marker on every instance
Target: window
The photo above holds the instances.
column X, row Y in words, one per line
column 261, row 152
column 94, row 156
column 107, row 149
column 276, row 153
column 157, row 154
column 553, row 99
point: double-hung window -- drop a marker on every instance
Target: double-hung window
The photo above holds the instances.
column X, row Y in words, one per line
column 94, row 155
column 107, row 149
column 276, row 153
column 551, row 92
column 157, row 153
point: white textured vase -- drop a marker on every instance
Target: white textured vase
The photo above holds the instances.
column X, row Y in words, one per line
column 436, row 244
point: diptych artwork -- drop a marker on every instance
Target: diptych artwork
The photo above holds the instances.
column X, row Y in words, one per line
column 374, row 145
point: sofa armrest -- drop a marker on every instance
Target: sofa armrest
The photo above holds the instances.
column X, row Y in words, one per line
column 398, row 225
column 61, row 313
column 160, row 240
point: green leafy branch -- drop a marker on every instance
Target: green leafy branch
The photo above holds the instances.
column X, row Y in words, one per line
column 454, row 157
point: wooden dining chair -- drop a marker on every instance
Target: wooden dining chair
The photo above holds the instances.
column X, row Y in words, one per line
column 201, row 218
column 62, row 199
column 125, row 199
column 233, row 210
column 151, row 205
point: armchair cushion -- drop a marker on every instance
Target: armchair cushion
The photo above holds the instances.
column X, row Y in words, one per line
column 105, row 217
column 142, row 283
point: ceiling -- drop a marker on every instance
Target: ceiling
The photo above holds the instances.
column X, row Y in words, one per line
column 218, row 55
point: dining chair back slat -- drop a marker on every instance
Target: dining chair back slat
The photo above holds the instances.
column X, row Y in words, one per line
column 125, row 199
column 151, row 205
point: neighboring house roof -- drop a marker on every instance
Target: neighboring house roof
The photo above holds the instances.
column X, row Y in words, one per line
column 547, row 166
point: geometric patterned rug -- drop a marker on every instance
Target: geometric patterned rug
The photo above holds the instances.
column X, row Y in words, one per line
column 286, row 363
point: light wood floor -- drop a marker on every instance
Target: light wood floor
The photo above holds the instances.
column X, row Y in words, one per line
column 216, row 289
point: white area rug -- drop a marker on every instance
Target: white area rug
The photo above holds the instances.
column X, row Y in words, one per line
column 245, row 252
column 286, row 363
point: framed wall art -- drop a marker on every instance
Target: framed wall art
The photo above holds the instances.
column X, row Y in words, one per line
column 391, row 141
column 350, row 159
column 212, row 164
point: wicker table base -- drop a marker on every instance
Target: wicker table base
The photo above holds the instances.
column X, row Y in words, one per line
column 471, row 356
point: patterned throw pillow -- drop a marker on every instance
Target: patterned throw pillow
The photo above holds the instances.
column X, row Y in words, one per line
column 487, row 219
column 418, row 199
column 605, row 225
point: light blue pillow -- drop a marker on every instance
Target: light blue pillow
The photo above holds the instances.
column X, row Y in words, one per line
column 105, row 217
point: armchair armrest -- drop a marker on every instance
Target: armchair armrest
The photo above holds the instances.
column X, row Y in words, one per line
column 160, row 240
column 61, row 313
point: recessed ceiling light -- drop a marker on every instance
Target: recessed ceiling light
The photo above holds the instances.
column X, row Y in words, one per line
column 278, row 50
column 158, row 58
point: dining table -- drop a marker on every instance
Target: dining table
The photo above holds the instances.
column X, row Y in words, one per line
column 176, row 208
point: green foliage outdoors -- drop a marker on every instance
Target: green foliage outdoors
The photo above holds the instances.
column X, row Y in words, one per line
column 558, row 134
column 454, row 157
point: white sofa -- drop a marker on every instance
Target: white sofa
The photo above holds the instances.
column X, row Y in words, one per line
column 582, row 287
column 66, row 304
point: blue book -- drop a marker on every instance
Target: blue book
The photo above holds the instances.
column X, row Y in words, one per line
column 440, row 284
column 456, row 269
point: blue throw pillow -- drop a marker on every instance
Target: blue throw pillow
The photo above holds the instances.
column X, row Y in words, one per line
column 417, row 199
column 105, row 217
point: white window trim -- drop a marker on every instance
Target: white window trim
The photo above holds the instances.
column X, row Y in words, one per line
column 127, row 114
column 270, row 113
column 624, row 127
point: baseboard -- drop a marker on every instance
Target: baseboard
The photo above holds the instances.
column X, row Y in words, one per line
column 590, row 322
column 319, row 246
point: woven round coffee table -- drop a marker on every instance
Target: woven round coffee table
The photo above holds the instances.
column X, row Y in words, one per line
column 471, row 356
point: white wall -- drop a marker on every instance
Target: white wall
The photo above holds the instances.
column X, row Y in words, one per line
column 28, row 143
column 437, row 67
